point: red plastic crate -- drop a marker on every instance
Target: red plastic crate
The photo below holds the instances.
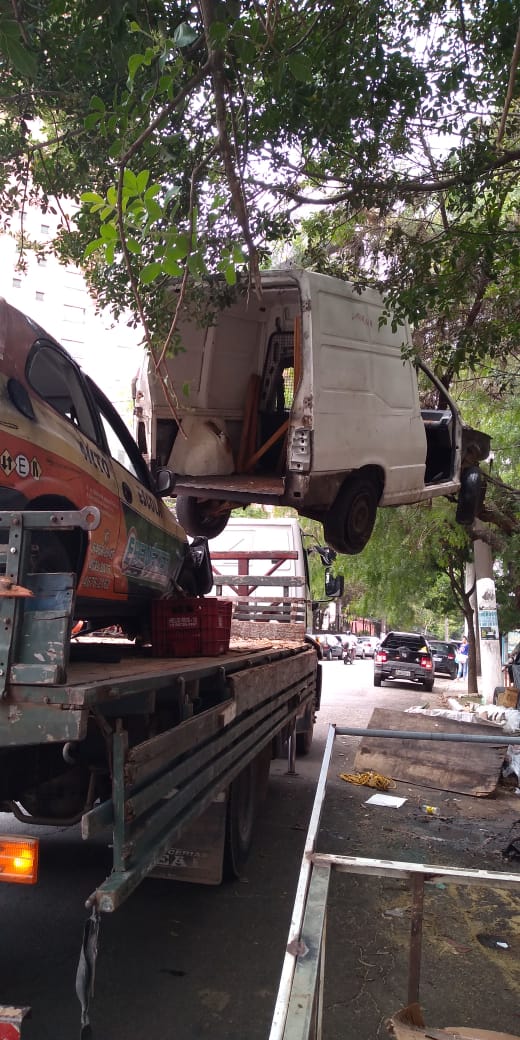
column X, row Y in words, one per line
column 190, row 627
column 215, row 625
column 176, row 627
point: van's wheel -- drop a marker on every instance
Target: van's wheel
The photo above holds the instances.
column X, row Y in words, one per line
column 240, row 818
column 351, row 518
column 202, row 516
column 471, row 495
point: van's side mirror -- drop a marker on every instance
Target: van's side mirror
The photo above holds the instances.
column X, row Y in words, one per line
column 164, row 481
column 334, row 585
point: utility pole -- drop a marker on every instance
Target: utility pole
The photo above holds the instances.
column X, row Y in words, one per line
column 486, row 620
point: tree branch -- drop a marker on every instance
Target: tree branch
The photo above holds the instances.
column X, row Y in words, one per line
column 398, row 187
column 216, row 64
column 510, row 87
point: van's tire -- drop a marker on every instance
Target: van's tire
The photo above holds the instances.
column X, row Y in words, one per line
column 198, row 516
column 471, row 495
column 377, row 681
column 351, row 518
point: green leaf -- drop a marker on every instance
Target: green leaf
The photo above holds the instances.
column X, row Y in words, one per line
column 196, row 264
column 92, row 247
column 10, row 29
column 300, row 67
column 110, row 251
column 230, row 274
column 114, row 149
column 186, row 389
column 92, row 120
column 92, row 196
column 179, row 247
column 18, row 56
column 97, row 104
column 133, row 246
column 130, row 182
column 153, row 209
column 245, row 48
column 150, row 272
column 172, row 267
column 134, row 63
column 142, row 180
column 108, row 232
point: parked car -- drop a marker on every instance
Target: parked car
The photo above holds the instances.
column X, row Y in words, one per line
column 330, row 644
column 444, row 657
column 65, row 447
column 404, row 655
column 366, row 646
column 335, row 646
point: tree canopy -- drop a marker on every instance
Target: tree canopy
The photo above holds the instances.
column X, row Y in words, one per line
column 378, row 141
column 192, row 134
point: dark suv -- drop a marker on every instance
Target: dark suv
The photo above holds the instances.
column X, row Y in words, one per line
column 404, row 655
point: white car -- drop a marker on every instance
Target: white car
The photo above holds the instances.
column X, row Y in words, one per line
column 366, row 646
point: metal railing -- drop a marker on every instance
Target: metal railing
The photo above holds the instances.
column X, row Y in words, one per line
column 298, row 1010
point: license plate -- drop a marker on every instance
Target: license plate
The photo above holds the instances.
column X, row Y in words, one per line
column 437, row 658
column 405, row 673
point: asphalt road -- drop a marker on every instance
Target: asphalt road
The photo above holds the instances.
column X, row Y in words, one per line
column 180, row 962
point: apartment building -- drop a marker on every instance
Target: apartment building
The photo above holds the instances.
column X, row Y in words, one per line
column 56, row 297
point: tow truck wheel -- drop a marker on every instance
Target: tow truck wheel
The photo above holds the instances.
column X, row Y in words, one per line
column 241, row 811
column 351, row 518
column 304, row 739
column 202, row 516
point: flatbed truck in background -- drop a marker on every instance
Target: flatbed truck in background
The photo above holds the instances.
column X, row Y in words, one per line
column 167, row 755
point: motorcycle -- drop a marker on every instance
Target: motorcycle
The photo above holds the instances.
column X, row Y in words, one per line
column 349, row 655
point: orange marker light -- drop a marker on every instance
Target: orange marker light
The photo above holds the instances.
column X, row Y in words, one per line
column 19, row 860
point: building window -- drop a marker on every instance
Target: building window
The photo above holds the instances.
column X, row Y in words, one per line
column 17, row 283
column 45, row 230
column 74, row 314
column 40, row 296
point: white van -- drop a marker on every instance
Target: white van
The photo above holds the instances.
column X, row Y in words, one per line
column 303, row 400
